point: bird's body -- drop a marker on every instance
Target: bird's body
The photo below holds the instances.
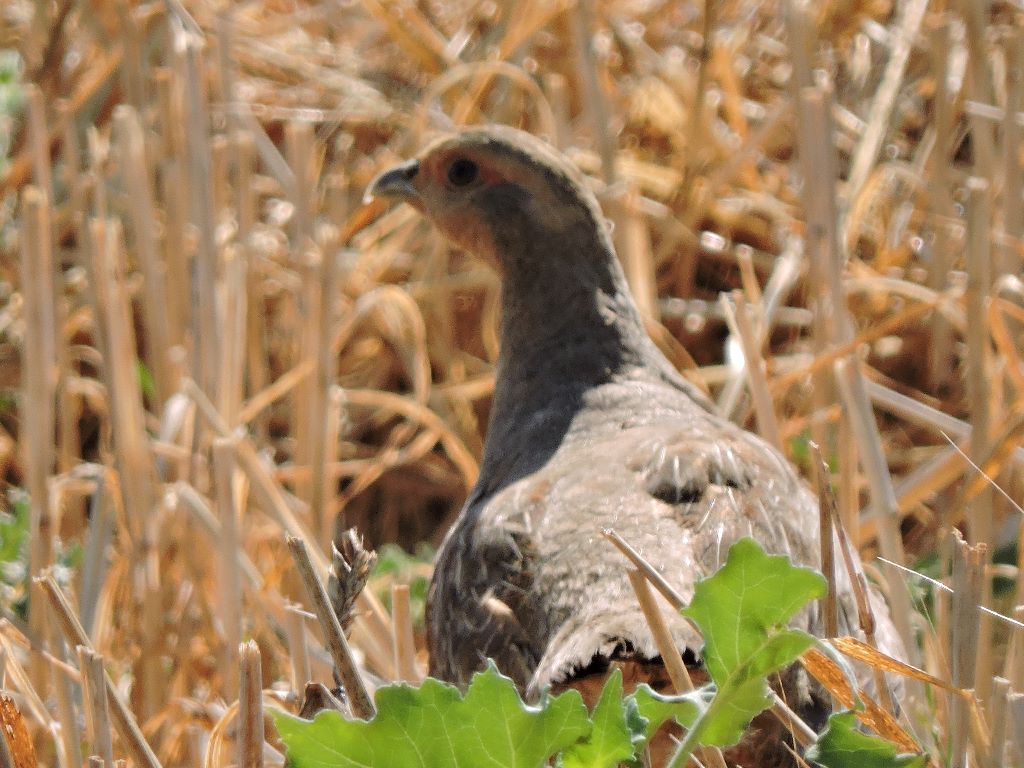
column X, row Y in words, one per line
column 525, row 576
column 591, row 428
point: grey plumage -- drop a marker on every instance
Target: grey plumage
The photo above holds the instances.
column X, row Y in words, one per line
column 590, row 428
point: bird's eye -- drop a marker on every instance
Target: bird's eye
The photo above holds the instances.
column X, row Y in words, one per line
column 462, row 172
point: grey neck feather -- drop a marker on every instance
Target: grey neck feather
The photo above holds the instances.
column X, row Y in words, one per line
column 569, row 324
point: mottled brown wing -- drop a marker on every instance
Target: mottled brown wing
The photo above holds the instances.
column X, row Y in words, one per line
column 479, row 605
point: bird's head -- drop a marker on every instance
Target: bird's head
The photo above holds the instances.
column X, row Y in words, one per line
column 490, row 190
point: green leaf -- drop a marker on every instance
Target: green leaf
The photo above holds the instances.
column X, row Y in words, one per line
column 147, row 384
column 618, row 729
column 14, row 540
column 656, row 708
column 743, row 611
column 746, row 602
column 14, row 529
column 433, row 726
column 395, row 565
column 843, row 746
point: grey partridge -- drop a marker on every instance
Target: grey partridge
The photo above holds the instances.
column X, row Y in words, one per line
column 591, row 427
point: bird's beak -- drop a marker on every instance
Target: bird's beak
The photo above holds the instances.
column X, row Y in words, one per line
column 395, row 183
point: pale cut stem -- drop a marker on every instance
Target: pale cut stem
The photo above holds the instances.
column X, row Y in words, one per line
column 142, row 215
column 1000, row 691
column 827, row 517
column 97, row 710
column 849, row 492
column 1015, row 715
column 940, row 350
column 69, row 439
column 677, row 671
column 323, row 433
column 649, row 571
column 696, row 124
column 968, row 574
column 307, row 404
column 127, row 728
column 298, row 651
column 37, row 412
column 173, row 192
column 405, row 645
column 205, row 328
column 135, row 462
column 327, row 484
column 667, row 648
column 883, row 497
column 979, row 391
column 39, row 145
column 831, row 326
column 235, row 311
column 783, row 278
column 633, row 243
column 250, row 706
column 979, row 85
column 798, row 33
column 980, row 397
column 1013, row 666
column 61, row 687
column 229, row 578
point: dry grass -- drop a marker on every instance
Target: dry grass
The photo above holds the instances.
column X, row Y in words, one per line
column 183, row 199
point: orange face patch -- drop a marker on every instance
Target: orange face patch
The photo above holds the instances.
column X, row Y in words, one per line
column 466, row 228
column 452, row 207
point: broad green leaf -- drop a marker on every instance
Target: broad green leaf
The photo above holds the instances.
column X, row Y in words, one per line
column 843, row 746
column 656, row 708
column 618, row 728
column 510, row 733
column 745, row 693
column 743, row 611
column 751, row 597
column 433, row 726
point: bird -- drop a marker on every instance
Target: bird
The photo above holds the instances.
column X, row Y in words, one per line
column 591, row 428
